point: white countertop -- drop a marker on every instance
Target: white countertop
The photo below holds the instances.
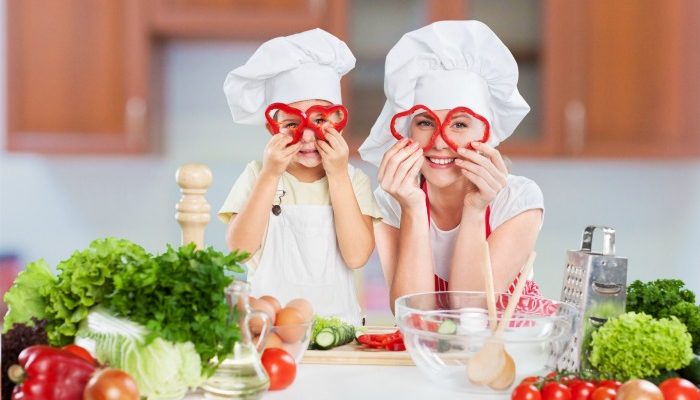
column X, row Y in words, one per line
column 366, row 382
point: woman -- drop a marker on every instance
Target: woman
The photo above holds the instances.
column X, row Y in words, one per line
column 444, row 188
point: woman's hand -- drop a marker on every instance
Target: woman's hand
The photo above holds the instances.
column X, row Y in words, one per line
column 334, row 152
column 487, row 171
column 278, row 154
column 398, row 171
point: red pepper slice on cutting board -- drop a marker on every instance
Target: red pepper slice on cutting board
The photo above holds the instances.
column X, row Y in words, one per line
column 386, row 341
column 49, row 373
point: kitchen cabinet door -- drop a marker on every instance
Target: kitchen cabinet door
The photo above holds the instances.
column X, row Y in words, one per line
column 77, row 78
column 604, row 78
column 245, row 19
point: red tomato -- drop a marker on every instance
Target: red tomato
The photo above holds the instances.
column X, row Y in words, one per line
column 80, row 352
column 604, row 393
column 679, row 389
column 611, row 384
column 280, row 367
column 526, row 392
column 582, row 390
column 111, row 384
column 555, row 391
column 530, row 380
column 551, row 375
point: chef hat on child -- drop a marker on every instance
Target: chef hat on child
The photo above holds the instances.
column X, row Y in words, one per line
column 303, row 66
column 445, row 65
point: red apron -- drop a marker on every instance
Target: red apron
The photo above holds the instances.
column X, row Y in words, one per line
column 531, row 288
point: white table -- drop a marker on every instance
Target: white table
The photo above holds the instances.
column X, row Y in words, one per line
column 363, row 382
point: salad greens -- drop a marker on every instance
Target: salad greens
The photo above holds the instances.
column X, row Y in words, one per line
column 178, row 295
column 23, row 299
column 334, row 325
column 638, row 346
column 665, row 298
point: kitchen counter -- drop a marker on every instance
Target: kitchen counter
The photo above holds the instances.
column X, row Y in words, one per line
column 340, row 382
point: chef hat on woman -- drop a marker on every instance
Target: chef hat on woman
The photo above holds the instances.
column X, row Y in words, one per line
column 445, row 65
column 303, row 66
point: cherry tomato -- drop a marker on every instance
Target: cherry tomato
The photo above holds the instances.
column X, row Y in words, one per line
column 111, row 384
column 526, row 392
column 551, row 375
column 604, row 393
column 280, row 367
column 531, row 380
column 679, row 389
column 80, row 352
column 611, row 384
column 555, row 391
column 582, row 390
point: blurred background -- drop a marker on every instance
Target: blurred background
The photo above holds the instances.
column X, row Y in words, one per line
column 102, row 100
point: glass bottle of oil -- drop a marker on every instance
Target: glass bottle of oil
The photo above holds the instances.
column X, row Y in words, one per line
column 240, row 375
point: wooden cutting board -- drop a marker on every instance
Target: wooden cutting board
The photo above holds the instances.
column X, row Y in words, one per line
column 356, row 354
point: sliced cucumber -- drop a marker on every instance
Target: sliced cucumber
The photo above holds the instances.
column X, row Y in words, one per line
column 447, row 327
column 334, row 336
column 326, row 338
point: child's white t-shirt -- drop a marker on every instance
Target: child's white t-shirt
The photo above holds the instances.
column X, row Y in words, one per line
column 295, row 193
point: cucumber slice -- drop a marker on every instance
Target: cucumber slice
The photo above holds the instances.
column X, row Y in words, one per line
column 326, row 338
column 447, row 327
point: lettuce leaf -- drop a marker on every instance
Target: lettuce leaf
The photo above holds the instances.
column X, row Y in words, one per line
column 24, row 300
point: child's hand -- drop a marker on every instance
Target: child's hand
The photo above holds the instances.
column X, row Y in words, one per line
column 487, row 171
column 334, row 152
column 278, row 155
column 398, row 172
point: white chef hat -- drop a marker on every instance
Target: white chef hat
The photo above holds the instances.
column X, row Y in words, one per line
column 445, row 65
column 303, row 66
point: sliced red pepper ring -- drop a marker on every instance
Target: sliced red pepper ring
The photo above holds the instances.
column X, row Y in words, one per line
column 283, row 118
column 432, row 127
column 386, row 341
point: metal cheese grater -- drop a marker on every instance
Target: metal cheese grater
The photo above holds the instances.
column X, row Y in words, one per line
column 597, row 285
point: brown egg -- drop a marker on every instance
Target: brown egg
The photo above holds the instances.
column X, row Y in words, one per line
column 273, row 340
column 256, row 322
column 251, row 299
column 273, row 301
column 304, row 307
column 289, row 324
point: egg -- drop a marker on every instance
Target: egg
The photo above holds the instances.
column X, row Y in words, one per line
column 240, row 305
column 289, row 326
column 273, row 340
column 256, row 323
column 273, row 301
column 304, row 307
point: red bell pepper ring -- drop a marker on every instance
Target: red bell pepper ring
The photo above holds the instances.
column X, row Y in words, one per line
column 385, row 341
column 441, row 125
column 307, row 119
column 49, row 373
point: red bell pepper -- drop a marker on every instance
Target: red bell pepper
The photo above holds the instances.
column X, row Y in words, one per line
column 49, row 373
column 384, row 341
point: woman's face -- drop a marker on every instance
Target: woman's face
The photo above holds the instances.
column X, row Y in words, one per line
column 307, row 156
column 439, row 167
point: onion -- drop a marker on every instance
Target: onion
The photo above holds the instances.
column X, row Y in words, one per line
column 639, row 389
column 111, row 384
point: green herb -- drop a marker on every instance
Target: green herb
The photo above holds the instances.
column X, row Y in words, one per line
column 664, row 298
column 639, row 346
column 23, row 300
column 180, row 297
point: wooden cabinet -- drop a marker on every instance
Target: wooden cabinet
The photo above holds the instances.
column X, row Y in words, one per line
column 614, row 78
column 77, row 76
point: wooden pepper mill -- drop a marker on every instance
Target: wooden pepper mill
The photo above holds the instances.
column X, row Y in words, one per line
column 193, row 208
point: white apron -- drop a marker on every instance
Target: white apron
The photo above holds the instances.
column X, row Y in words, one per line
column 301, row 258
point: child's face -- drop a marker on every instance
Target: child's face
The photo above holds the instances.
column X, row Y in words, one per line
column 439, row 167
column 307, row 156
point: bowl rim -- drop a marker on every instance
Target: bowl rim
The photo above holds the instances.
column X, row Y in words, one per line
column 402, row 310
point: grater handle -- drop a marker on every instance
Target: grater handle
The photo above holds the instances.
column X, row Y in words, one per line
column 608, row 239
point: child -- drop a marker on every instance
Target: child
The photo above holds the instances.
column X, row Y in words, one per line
column 452, row 96
column 304, row 213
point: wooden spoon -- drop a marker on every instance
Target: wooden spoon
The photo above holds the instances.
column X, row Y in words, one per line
column 487, row 271
column 490, row 361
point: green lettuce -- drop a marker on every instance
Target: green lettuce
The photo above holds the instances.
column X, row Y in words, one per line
column 24, row 300
column 639, row 346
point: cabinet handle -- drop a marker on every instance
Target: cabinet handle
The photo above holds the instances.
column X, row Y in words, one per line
column 575, row 117
column 135, row 110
